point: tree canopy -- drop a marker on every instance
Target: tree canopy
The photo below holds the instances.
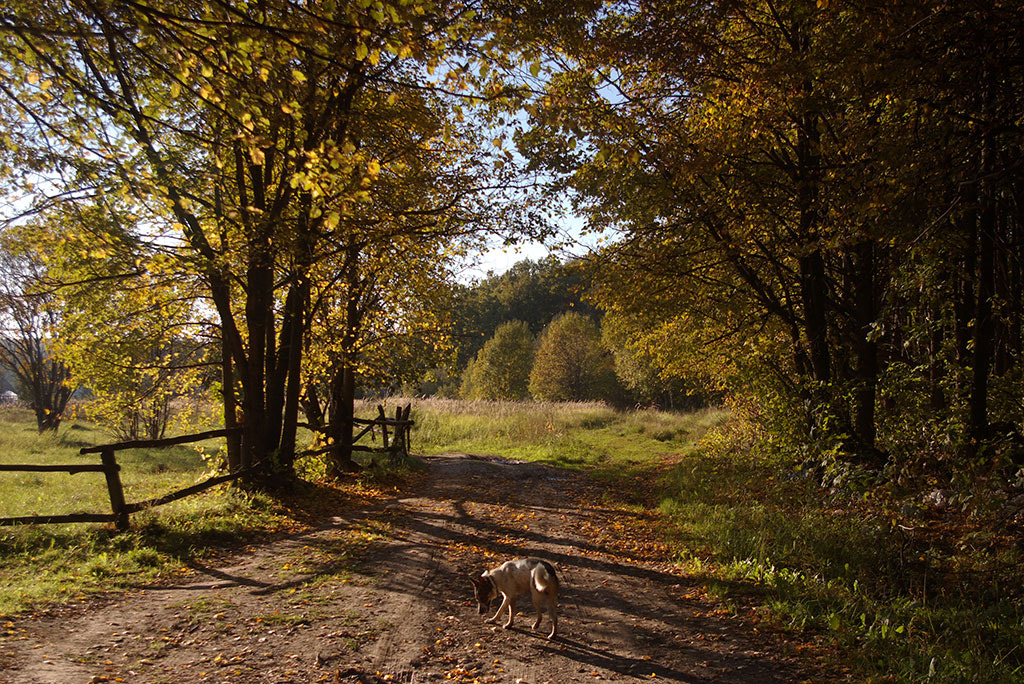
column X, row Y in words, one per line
column 501, row 369
column 571, row 364
column 279, row 157
column 816, row 205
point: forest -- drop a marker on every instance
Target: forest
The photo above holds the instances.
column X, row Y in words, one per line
column 811, row 210
column 808, row 215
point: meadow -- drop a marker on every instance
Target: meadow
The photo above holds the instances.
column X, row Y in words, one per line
column 877, row 582
column 45, row 564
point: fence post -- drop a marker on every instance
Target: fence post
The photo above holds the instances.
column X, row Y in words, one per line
column 112, row 471
column 383, row 425
column 407, row 443
column 396, row 445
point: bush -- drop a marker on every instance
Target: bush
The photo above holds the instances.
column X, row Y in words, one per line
column 501, row 369
column 571, row 363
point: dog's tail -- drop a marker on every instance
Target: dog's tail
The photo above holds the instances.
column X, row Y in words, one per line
column 546, row 577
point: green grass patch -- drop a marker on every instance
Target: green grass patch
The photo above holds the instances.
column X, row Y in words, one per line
column 43, row 564
column 582, row 435
column 145, row 473
column 900, row 596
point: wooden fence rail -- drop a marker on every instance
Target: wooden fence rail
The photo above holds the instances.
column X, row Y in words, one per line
column 120, row 509
column 396, row 443
column 394, row 433
column 69, row 469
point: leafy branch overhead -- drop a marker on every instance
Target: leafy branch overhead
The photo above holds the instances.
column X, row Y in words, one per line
column 285, row 165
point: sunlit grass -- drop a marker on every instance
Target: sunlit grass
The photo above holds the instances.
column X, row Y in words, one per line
column 577, row 435
column 144, row 474
column 42, row 564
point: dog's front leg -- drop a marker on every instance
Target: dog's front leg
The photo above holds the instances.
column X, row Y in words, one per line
column 511, row 611
column 504, row 603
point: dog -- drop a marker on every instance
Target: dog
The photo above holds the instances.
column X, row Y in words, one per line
column 516, row 577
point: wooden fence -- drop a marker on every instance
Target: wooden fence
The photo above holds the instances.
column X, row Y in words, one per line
column 394, row 431
column 120, row 509
column 394, row 434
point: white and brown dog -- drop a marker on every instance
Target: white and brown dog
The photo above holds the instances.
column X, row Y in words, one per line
column 517, row 577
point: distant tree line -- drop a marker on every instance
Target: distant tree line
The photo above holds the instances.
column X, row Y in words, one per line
column 534, row 332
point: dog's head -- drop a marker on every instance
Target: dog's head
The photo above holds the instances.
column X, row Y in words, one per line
column 485, row 591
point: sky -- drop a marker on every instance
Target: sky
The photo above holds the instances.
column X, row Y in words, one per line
column 500, row 259
column 570, row 240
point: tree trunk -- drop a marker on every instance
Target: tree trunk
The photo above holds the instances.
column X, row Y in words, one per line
column 343, row 385
column 310, row 401
column 258, row 426
column 341, row 425
column 965, row 307
column 813, row 283
column 292, row 350
column 813, row 286
column 936, row 368
column 866, row 380
column 234, row 440
column 983, row 327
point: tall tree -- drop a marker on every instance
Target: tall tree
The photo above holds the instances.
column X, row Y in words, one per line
column 30, row 317
column 246, row 138
column 501, row 369
column 801, row 189
column 570, row 363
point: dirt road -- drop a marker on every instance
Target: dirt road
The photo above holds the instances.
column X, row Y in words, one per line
column 384, row 596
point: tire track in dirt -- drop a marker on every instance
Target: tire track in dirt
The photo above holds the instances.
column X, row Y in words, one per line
column 322, row 607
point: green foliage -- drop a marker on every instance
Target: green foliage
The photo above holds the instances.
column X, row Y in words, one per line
column 297, row 185
column 571, row 364
column 129, row 345
column 534, row 292
column 643, row 370
column 501, row 369
column 800, row 203
column 906, row 596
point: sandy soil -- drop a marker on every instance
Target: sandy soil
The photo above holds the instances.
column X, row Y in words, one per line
column 384, row 596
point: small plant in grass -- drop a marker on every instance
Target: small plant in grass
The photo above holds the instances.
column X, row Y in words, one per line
column 206, row 605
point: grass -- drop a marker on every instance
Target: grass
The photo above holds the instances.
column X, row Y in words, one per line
column 569, row 435
column 145, row 473
column 899, row 594
column 46, row 564
column 888, row 589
